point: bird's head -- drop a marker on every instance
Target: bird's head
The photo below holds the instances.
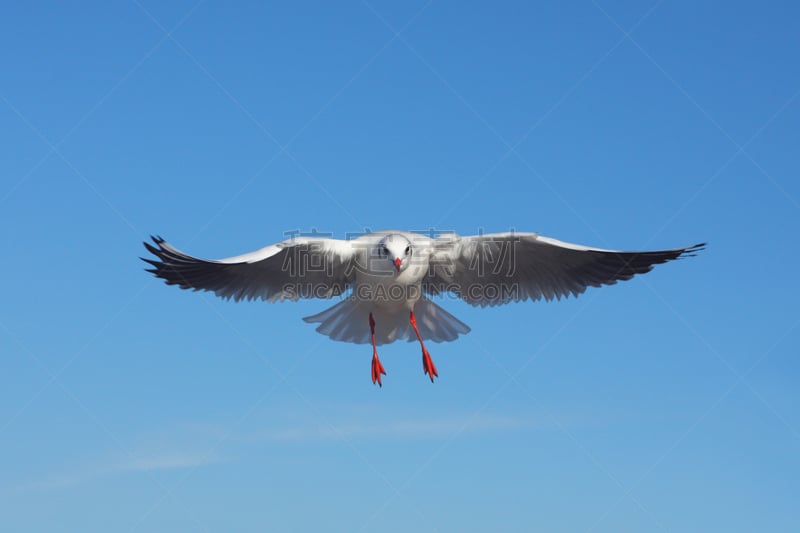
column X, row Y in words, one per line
column 397, row 250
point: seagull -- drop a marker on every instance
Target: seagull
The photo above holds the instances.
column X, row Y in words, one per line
column 386, row 278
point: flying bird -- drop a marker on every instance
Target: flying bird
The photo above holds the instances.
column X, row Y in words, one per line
column 390, row 276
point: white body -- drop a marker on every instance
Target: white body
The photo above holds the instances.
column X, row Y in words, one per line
column 389, row 294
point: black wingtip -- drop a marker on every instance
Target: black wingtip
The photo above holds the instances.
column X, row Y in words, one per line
column 691, row 251
column 152, row 249
column 158, row 252
column 158, row 241
column 152, row 262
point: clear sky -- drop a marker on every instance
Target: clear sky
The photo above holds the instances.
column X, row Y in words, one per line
column 666, row 403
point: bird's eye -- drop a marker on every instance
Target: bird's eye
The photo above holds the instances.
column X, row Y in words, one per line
column 408, row 250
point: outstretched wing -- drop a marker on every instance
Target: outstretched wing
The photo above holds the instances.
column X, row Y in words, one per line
column 289, row 270
column 499, row 268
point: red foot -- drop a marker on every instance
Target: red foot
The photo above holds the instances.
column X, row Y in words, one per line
column 427, row 363
column 377, row 369
column 428, row 366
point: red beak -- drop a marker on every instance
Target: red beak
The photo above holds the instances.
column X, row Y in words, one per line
column 397, row 263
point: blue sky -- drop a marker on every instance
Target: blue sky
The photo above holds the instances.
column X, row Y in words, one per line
column 667, row 403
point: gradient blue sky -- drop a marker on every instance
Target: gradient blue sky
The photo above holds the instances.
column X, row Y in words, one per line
column 667, row 403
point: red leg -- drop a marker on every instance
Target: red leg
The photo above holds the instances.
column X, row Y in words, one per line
column 427, row 363
column 377, row 367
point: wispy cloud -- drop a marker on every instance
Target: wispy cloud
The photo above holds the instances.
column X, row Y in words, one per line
column 109, row 468
column 179, row 449
column 168, row 462
column 406, row 429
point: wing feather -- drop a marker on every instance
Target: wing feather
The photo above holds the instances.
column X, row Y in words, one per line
column 290, row 270
column 494, row 269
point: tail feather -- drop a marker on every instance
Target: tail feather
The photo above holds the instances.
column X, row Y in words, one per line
column 348, row 321
column 436, row 324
